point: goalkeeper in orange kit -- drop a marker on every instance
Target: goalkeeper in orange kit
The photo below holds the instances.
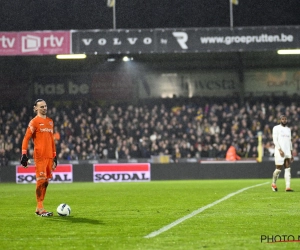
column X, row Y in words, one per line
column 40, row 129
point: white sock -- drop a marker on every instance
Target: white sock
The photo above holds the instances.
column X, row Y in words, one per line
column 276, row 174
column 287, row 177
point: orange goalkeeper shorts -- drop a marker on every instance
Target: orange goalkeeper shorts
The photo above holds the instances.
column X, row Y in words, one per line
column 43, row 168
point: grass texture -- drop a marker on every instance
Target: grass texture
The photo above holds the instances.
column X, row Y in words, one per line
column 121, row 215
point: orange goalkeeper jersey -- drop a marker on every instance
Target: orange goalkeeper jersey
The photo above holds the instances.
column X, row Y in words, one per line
column 41, row 131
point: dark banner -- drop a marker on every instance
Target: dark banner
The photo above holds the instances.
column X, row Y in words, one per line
column 137, row 41
column 191, row 40
column 86, row 86
column 127, row 85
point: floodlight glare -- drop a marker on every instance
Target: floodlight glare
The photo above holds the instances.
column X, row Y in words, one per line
column 71, row 56
column 111, row 59
column 288, row 51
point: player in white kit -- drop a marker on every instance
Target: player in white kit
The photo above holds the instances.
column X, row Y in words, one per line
column 282, row 139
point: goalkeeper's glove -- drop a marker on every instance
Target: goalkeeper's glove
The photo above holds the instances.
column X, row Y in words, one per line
column 24, row 160
column 55, row 161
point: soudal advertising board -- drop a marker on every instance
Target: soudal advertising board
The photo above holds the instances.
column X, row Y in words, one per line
column 122, row 172
column 35, row 43
column 62, row 174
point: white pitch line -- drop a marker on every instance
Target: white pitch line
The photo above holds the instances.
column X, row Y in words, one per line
column 175, row 223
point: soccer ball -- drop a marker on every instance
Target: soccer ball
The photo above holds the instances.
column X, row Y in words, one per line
column 63, row 209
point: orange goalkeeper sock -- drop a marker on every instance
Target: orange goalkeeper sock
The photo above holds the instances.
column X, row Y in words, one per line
column 41, row 186
column 40, row 205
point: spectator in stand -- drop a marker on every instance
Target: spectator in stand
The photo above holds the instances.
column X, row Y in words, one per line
column 176, row 155
column 78, row 151
column 204, row 151
column 144, row 148
column 56, row 135
column 14, row 155
column 231, row 154
column 111, row 148
column 267, row 132
column 64, row 152
column 191, row 152
column 84, row 156
column 213, row 151
column 3, row 158
column 295, row 150
column 73, row 156
column 184, row 149
column 222, row 149
column 214, row 129
column 269, row 149
column 123, row 153
column 252, row 153
column 134, row 152
column 93, row 155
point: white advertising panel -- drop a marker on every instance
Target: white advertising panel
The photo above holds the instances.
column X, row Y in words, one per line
column 121, row 172
column 62, row 174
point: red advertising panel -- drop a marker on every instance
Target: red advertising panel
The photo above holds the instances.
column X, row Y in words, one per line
column 35, row 43
column 122, row 172
column 62, row 174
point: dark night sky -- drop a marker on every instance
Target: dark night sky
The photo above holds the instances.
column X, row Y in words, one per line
column 21, row 15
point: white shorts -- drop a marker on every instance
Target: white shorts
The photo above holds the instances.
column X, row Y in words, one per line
column 279, row 160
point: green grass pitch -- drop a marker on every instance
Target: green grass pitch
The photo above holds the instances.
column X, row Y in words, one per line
column 121, row 215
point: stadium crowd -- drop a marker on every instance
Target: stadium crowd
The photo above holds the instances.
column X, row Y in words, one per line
column 182, row 130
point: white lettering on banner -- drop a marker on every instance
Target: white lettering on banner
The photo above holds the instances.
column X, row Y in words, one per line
column 118, row 177
column 57, row 178
column 117, row 41
column 53, row 41
column 181, row 38
column 147, row 40
column 262, row 38
column 186, row 39
column 62, row 174
column 87, row 42
column 78, row 88
column 102, row 41
column 6, row 42
column 132, row 40
column 164, row 41
column 59, row 89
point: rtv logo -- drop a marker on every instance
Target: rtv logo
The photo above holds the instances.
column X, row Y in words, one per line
column 34, row 43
